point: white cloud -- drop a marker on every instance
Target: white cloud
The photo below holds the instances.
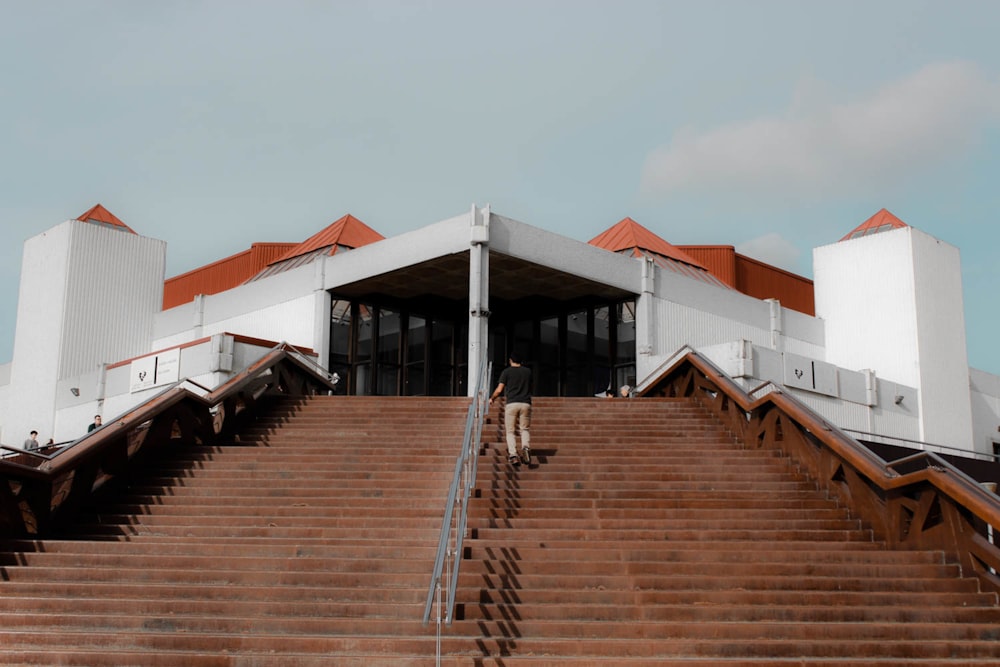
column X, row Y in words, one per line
column 772, row 249
column 908, row 125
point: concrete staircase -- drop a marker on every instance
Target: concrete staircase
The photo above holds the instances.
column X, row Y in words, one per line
column 309, row 542
column 643, row 534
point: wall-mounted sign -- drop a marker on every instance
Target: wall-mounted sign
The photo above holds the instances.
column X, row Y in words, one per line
column 155, row 370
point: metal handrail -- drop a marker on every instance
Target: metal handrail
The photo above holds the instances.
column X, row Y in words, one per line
column 452, row 526
column 958, row 451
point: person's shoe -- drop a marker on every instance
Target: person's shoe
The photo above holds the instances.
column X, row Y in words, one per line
column 514, row 461
column 526, row 456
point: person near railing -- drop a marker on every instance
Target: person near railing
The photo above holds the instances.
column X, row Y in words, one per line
column 31, row 444
column 95, row 425
column 515, row 384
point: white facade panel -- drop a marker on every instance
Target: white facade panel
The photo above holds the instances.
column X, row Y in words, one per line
column 985, row 407
column 892, row 303
column 825, row 378
column 862, row 422
column 567, row 255
column 172, row 341
column 4, row 408
column 88, row 295
column 802, row 334
column 865, row 295
column 442, row 238
column 940, row 329
column 177, row 323
column 41, row 306
column 851, row 386
column 114, row 288
column 677, row 326
column 770, row 364
column 289, row 322
column 798, row 372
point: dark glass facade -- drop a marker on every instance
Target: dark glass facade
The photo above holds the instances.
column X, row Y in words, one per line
column 400, row 349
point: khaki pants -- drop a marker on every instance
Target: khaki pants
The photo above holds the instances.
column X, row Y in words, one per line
column 517, row 415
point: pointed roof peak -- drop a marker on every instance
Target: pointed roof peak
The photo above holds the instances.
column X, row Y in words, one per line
column 627, row 234
column 346, row 231
column 102, row 216
column 882, row 221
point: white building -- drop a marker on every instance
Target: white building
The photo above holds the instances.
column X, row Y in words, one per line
column 98, row 329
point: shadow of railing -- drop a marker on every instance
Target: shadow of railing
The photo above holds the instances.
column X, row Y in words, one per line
column 38, row 488
column 922, row 502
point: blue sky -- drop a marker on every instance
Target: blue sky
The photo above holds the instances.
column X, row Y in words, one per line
column 773, row 126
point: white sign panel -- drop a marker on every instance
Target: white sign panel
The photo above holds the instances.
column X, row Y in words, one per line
column 156, row 370
column 168, row 366
column 798, row 372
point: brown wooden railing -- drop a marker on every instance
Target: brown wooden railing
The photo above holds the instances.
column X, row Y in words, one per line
column 41, row 487
column 921, row 502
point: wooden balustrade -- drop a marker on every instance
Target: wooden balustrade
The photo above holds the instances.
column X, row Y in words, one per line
column 37, row 489
column 932, row 506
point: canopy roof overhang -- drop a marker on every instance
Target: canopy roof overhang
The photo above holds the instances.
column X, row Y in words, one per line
column 511, row 280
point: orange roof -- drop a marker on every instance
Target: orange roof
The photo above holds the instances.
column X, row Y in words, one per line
column 348, row 231
column 629, row 234
column 755, row 278
column 882, row 221
column 101, row 215
column 221, row 274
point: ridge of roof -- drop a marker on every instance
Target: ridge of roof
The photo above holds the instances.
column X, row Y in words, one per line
column 882, row 221
column 628, row 234
column 101, row 215
column 345, row 231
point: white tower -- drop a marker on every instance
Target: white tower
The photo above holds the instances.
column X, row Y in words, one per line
column 891, row 298
column 89, row 290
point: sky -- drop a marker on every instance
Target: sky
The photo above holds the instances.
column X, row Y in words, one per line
column 775, row 126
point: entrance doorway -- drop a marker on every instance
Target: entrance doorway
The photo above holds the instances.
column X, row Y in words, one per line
column 400, row 349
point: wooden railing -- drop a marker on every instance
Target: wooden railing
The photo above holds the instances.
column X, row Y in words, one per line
column 921, row 502
column 39, row 488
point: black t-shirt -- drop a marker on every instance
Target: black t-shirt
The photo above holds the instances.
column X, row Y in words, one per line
column 516, row 381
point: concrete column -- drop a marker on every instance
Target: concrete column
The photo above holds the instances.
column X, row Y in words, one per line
column 644, row 315
column 479, row 291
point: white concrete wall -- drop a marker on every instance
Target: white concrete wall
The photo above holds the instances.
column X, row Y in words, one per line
column 892, row 302
column 88, row 294
column 943, row 360
column 866, row 295
column 115, row 289
column 840, row 395
column 685, row 311
column 985, row 405
column 567, row 255
column 204, row 363
column 4, row 398
column 289, row 321
column 41, row 314
column 278, row 308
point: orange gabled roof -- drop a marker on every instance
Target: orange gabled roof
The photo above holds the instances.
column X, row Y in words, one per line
column 101, row 215
column 348, row 231
column 882, row 221
column 629, row 234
